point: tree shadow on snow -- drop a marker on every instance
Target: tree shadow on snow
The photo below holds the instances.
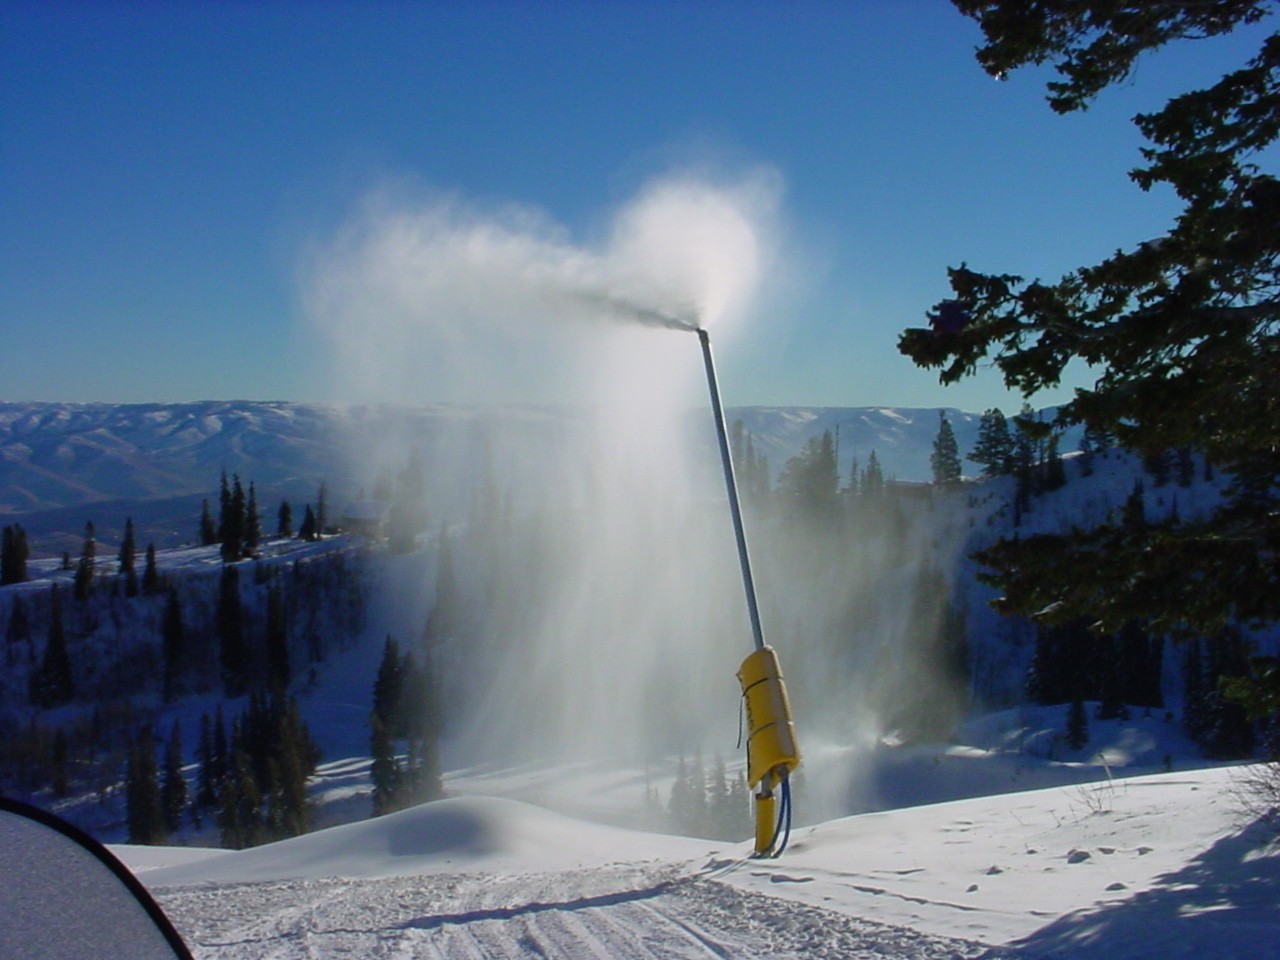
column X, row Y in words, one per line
column 1224, row 904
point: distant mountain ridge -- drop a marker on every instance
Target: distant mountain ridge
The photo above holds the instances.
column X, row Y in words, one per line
column 64, row 463
column 58, row 455
column 902, row 437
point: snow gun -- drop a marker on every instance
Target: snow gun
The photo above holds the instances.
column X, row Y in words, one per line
column 771, row 742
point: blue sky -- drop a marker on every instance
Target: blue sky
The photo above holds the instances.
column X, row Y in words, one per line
column 163, row 167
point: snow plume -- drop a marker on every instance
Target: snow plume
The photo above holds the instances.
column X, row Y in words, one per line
column 601, row 610
column 410, row 286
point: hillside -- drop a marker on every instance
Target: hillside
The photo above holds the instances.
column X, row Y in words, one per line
column 63, row 464
column 595, row 606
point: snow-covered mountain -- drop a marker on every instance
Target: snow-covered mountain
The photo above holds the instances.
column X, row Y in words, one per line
column 62, row 464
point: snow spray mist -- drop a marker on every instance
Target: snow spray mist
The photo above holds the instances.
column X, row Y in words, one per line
column 603, row 607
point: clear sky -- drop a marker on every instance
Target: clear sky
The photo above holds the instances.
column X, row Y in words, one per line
column 163, row 166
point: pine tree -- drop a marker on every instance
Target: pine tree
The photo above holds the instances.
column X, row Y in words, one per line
column 945, row 458
column 284, row 521
column 21, row 553
column 1193, row 690
column 1134, row 514
column 288, row 813
column 726, row 811
column 232, row 526
column 150, row 574
column 1111, row 680
column 231, row 521
column 83, row 582
column 239, row 813
column 207, row 778
column 852, row 489
column 443, row 621
column 51, row 683
column 273, row 755
column 1087, row 454
column 277, row 645
column 208, row 530
column 128, row 556
column 993, row 449
column 384, row 773
column 224, row 507
column 14, row 555
column 420, row 714
column 1055, row 471
column 1159, row 464
column 405, row 707
column 221, row 749
column 173, row 789
column 810, row 481
column 1077, row 724
column 322, row 510
column 825, row 481
column 308, row 531
column 1023, row 464
column 698, row 797
column 1181, row 332
column 233, row 650
column 1062, row 667
column 406, row 515
column 931, row 699
column 1042, row 676
column 252, row 525
column 388, row 685
column 680, row 804
column 18, row 633
column 173, row 647
column 872, row 478
column 6, row 556
column 1138, row 667
column 1228, row 731
column 1185, row 465
column 758, row 479
column 145, row 813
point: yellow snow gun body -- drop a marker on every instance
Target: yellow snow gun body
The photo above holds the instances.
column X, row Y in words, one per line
column 771, row 743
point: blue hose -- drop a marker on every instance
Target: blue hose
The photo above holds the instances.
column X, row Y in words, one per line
column 781, row 832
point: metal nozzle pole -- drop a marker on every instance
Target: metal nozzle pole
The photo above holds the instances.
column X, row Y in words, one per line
column 735, row 508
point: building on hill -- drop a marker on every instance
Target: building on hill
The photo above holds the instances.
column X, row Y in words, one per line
column 366, row 518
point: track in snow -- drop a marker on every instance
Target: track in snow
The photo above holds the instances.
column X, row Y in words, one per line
column 620, row 913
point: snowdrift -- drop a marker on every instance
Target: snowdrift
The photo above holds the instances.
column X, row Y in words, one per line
column 462, row 834
column 1162, row 866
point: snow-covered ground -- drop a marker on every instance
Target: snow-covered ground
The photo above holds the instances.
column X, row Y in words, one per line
column 1158, row 866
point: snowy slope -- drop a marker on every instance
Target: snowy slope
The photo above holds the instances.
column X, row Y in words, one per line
column 1153, row 867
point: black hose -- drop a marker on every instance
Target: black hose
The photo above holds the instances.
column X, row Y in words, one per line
column 784, row 818
column 782, row 829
